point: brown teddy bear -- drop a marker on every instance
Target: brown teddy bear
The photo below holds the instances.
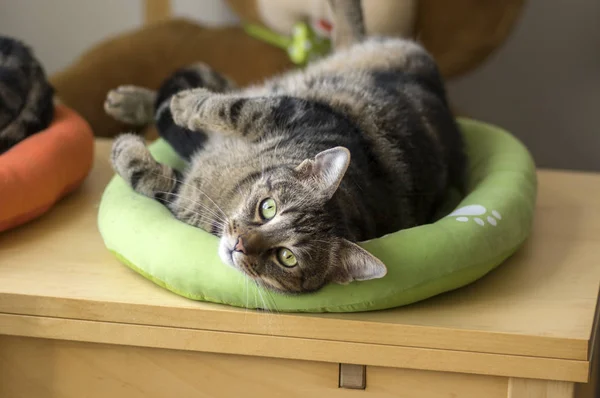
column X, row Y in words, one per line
column 460, row 34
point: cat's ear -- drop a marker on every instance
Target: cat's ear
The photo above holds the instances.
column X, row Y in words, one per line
column 355, row 264
column 327, row 169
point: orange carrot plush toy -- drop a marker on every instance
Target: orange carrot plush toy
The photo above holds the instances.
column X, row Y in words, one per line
column 45, row 150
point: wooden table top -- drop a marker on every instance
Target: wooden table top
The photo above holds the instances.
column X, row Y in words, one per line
column 541, row 303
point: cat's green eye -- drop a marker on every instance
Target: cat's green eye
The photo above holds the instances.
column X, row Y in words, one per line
column 268, row 209
column 286, row 258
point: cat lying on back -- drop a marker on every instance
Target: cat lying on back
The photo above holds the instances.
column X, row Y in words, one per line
column 292, row 173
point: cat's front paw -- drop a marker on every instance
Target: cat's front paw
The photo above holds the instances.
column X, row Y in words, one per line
column 186, row 107
column 128, row 152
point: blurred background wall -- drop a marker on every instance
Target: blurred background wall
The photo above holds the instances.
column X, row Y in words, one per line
column 543, row 85
column 59, row 30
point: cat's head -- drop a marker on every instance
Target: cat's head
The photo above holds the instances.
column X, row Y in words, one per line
column 286, row 233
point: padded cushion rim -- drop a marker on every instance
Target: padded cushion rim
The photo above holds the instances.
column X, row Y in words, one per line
column 503, row 182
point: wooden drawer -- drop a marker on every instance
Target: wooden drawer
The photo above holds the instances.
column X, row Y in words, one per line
column 407, row 383
column 31, row 368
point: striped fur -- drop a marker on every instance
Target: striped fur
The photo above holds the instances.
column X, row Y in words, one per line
column 356, row 146
column 26, row 97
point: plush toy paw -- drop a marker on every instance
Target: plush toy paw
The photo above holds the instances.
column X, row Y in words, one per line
column 131, row 104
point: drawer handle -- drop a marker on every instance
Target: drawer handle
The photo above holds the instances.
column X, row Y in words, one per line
column 353, row 376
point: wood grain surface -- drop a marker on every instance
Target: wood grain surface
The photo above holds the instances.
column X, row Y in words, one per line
column 541, row 303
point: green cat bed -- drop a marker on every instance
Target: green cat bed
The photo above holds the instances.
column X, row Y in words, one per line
column 488, row 225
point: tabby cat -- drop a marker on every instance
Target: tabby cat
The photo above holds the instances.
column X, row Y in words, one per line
column 291, row 173
column 26, row 97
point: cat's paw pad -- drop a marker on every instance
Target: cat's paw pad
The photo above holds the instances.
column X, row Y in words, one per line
column 130, row 104
column 478, row 214
column 185, row 107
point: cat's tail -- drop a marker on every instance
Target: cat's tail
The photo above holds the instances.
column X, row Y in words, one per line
column 349, row 27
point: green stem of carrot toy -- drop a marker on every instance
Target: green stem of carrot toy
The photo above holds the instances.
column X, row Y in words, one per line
column 302, row 46
column 268, row 36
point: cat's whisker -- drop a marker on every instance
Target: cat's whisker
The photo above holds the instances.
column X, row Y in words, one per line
column 207, row 211
column 202, row 205
column 221, row 216
column 256, row 299
column 264, row 305
column 272, row 300
column 195, row 202
column 201, row 191
column 267, row 306
column 196, row 213
column 246, row 307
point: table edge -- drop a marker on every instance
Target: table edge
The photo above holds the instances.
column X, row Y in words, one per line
column 294, row 348
column 299, row 326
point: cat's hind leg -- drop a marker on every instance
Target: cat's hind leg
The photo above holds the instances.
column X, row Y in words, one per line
column 235, row 114
column 184, row 141
column 131, row 104
column 132, row 160
column 198, row 75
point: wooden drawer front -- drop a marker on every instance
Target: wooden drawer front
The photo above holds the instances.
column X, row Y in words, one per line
column 31, row 368
column 408, row 383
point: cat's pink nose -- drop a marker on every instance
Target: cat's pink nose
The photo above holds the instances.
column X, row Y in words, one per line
column 239, row 246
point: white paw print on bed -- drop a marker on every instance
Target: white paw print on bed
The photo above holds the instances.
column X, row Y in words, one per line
column 477, row 213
